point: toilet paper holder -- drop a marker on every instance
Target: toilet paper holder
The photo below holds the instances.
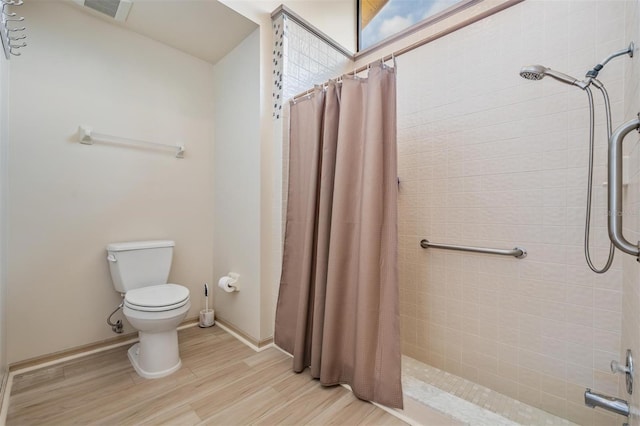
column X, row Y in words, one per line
column 234, row 280
column 229, row 282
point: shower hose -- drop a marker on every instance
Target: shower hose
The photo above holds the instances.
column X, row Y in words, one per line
column 587, row 227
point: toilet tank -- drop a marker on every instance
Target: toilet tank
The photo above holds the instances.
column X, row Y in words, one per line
column 139, row 263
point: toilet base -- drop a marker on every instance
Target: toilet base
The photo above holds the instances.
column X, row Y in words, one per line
column 157, row 353
column 134, row 354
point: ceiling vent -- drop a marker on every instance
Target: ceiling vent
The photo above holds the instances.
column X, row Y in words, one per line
column 116, row 9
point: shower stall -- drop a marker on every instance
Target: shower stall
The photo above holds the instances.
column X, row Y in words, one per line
column 489, row 160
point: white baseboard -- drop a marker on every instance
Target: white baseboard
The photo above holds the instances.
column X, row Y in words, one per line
column 242, row 339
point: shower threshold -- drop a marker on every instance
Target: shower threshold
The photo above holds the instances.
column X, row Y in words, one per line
column 465, row 401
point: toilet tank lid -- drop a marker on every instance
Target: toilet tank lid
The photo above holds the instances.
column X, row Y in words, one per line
column 139, row 245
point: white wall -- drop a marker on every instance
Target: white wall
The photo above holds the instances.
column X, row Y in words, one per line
column 268, row 214
column 67, row 200
column 237, row 185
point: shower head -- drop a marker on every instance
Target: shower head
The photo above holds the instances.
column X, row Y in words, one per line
column 533, row 72
column 537, row 72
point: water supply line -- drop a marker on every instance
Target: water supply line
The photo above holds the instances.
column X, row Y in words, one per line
column 116, row 327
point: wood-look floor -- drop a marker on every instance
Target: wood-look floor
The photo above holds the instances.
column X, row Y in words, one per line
column 221, row 382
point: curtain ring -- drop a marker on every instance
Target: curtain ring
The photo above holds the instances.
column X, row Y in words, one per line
column 393, row 58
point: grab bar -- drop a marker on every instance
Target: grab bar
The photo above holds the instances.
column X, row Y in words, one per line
column 615, row 188
column 517, row 252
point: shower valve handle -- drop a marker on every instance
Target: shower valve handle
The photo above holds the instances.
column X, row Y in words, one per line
column 616, row 367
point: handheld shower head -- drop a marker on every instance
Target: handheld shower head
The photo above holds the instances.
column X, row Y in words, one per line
column 537, row 72
column 533, row 72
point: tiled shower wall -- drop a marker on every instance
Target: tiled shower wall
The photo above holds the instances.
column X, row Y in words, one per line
column 631, row 268
column 487, row 158
column 301, row 60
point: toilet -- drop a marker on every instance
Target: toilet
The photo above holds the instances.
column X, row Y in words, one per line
column 139, row 271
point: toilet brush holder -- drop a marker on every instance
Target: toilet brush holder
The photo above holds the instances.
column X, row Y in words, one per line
column 206, row 318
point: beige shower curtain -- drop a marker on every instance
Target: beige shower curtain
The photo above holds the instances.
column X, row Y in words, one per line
column 338, row 304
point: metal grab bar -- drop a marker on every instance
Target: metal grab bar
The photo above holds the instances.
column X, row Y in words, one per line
column 615, row 188
column 517, row 252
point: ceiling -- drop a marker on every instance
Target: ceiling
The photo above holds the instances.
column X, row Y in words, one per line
column 206, row 29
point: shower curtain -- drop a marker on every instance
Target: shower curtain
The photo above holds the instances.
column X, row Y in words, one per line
column 337, row 308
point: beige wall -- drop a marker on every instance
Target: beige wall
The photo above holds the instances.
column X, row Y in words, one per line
column 236, row 217
column 487, row 158
column 66, row 201
column 631, row 197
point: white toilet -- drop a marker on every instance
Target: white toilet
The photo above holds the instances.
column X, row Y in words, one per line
column 139, row 271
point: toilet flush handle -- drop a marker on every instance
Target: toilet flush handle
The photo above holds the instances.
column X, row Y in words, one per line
column 112, row 258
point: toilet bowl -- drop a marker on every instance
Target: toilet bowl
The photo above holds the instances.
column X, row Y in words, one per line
column 156, row 311
column 139, row 271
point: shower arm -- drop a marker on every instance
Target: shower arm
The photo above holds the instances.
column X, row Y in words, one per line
column 628, row 51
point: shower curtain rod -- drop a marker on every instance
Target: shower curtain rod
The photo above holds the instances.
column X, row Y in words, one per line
column 426, row 40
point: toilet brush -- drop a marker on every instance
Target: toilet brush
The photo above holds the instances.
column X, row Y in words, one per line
column 206, row 297
column 206, row 316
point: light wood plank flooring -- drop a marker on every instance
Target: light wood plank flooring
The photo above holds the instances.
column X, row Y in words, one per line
column 221, row 382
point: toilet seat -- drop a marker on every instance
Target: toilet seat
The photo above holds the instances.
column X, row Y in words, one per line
column 157, row 298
